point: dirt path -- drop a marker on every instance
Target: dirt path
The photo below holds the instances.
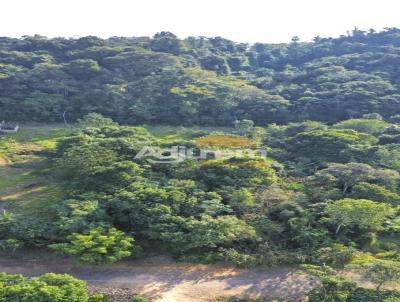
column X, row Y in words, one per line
column 167, row 281
column 4, row 161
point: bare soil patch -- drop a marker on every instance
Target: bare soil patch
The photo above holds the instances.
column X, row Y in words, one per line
column 4, row 161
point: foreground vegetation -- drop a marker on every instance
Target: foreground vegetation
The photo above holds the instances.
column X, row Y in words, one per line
column 332, row 207
column 46, row 288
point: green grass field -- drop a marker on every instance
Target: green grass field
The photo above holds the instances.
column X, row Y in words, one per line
column 23, row 163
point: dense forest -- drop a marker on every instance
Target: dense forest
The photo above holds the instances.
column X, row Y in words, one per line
column 326, row 113
column 204, row 81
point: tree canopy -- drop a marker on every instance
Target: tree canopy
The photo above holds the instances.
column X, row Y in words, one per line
column 208, row 81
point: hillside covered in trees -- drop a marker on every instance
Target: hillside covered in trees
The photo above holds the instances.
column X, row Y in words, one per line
column 322, row 194
column 204, row 81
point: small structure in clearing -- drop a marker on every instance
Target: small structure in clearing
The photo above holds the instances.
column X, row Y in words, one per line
column 8, row 128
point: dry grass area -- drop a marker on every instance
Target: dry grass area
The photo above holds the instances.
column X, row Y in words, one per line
column 224, row 141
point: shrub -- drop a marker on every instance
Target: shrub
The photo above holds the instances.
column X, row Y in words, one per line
column 238, row 258
column 337, row 255
column 98, row 298
column 95, row 120
column 46, row 288
column 382, row 271
column 370, row 295
column 140, row 299
column 332, row 290
column 97, row 246
column 10, row 245
column 340, row 290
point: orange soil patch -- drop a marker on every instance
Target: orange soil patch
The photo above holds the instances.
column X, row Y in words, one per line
column 224, row 141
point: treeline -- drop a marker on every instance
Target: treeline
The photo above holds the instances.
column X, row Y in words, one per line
column 205, row 81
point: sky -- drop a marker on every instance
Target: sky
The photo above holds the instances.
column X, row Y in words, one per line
column 250, row 21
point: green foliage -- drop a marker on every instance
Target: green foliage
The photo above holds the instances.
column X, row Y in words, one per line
column 46, row 288
column 210, row 233
column 332, row 290
column 10, row 245
column 168, row 80
column 140, row 299
column 238, row 258
column 333, row 145
column 97, row 159
column 341, row 180
column 371, row 126
column 340, row 290
column 7, row 145
column 382, row 271
column 244, row 127
column 317, row 271
column 82, row 69
column 98, row 245
column 98, row 298
column 363, row 294
column 238, row 172
column 337, row 255
column 95, row 120
column 80, row 162
column 77, row 215
column 375, row 192
column 364, row 214
column 323, row 172
column 167, row 42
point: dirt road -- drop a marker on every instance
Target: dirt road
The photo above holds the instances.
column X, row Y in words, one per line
column 168, row 281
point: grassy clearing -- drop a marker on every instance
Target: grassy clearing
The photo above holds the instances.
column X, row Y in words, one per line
column 172, row 134
column 224, row 141
column 22, row 177
column 40, row 135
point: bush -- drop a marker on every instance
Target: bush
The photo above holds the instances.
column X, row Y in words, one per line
column 238, row 258
column 97, row 246
column 140, row 299
column 95, row 120
column 98, row 298
column 203, row 258
column 270, row 256
column 381, row 271
column 370, row 295
column 337, row 255
column 46, row 288
column 332, row 290
column 10, row 245
column 340, row 290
